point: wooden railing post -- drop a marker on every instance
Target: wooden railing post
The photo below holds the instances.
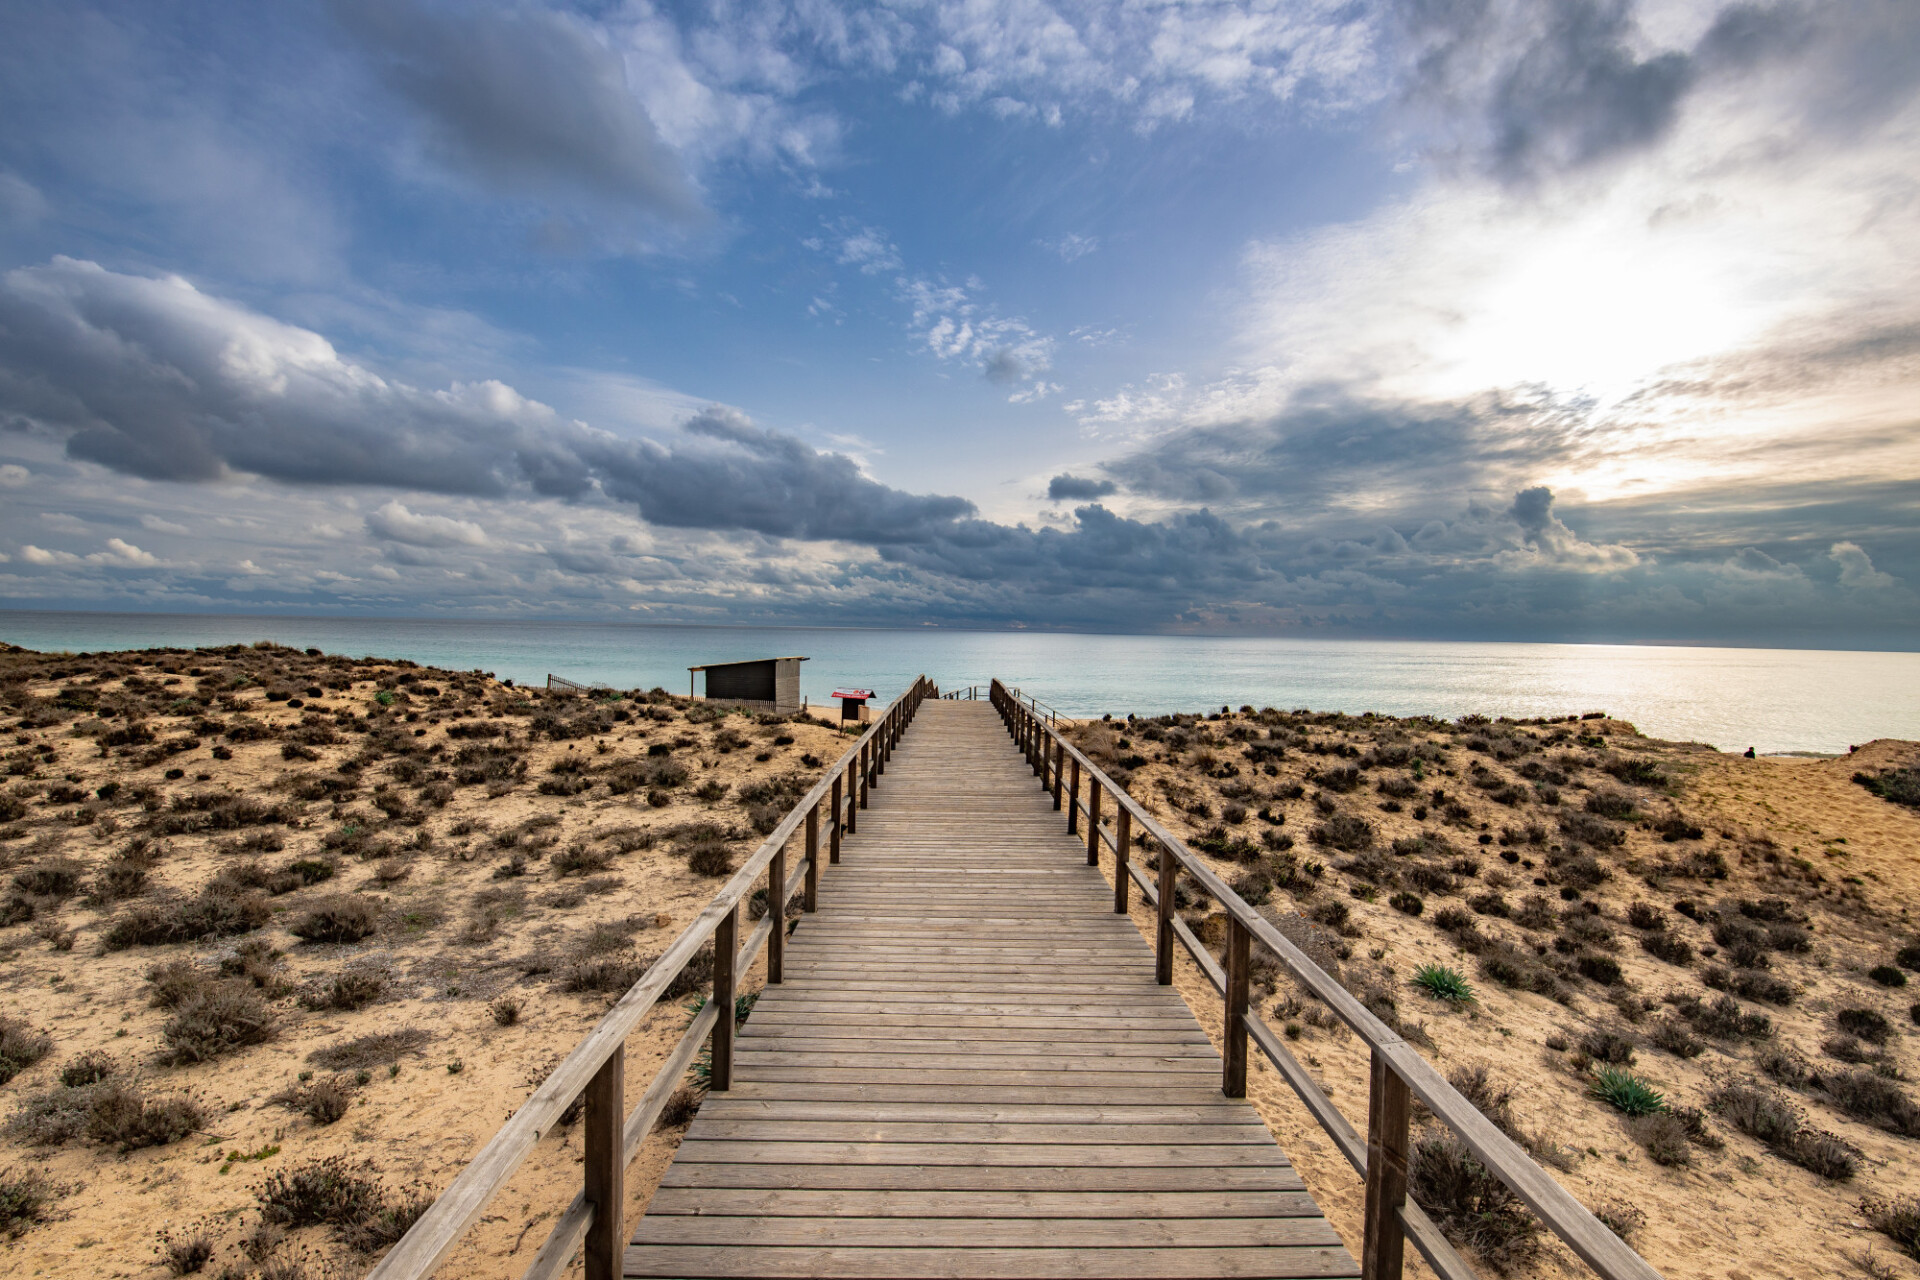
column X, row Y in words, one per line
column 1388, row 1109
column 811, row 902
column 777, row 908
column 833, row 832
column 726, row 940
column 605, row 1166
column 866, row 770
column 1059, row 766
column 1163, row 937
column 1093, row 822
column 853, row 797
column 1073, row 799
column 1233, row 1057
column 1122, row 836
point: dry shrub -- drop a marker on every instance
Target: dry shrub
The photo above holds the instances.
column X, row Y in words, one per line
column 340, row 917
column 54, row 878
column 120, row 1115
column 1769, row 1117
column 681, row 1106
column 1673, row 1036
column 1664, row 1135
column 215, row 1020
column 579, row 858
column 1870, row 1096
column 375, row 1049
column 710, row 858
column 1607, row 1046
column 505, row 1011
column 222, row 909
column 20, row 1047
column 1897, row 1218
column 1866, row 1024
column 346, row 991
column 24, row 1198
column 1470, row 1204
column 331, row 1191
column 1668, row 947
column 1724, row 1019
column 1345, row 832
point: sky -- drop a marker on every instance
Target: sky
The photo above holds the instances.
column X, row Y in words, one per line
column 1467, row 319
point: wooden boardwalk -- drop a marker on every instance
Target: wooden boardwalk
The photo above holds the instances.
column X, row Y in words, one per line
column 969, row 1070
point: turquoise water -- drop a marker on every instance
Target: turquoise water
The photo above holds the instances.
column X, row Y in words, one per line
column 1770, row 699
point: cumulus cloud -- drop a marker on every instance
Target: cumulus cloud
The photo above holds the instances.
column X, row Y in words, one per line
column 397, row 524
column 1069, row 487
column 522, row 97
column 1856, row 569
column 155, row 378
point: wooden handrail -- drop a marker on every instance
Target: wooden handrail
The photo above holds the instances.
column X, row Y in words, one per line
column 595, row 1068
column 1397, row 1067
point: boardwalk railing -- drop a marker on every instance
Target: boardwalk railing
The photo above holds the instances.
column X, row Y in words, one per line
column 1398, row 1070
column 596, row 1069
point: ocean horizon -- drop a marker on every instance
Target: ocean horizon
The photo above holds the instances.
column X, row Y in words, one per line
column 1774, row 700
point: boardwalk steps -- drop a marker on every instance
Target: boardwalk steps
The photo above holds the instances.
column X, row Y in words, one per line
column 969, row 1070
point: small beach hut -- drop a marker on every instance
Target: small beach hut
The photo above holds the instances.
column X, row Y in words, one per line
column 760, row 684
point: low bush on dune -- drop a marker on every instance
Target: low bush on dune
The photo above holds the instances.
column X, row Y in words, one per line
column 343, row 917
column 20, row 1047
column 217, row 1019
column 1470, row 1204
column 1901, row 786
column 1765, row 1115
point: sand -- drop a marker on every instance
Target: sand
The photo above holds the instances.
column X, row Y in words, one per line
column 415, row 1126
column 1795, row 828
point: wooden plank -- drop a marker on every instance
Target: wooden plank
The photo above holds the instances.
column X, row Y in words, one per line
column 1188, row 1155
column 985, row 1263
column 730, row 1106
column 1122, row 1205
column 1089, row 1178
column 971, row 1233
column 705, row 1129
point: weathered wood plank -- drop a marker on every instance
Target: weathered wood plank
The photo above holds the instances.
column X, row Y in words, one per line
column 985, row 1264
column 762, row 1202
column 1003, row 1232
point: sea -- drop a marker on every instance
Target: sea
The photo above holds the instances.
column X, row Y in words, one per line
column 1777, row 701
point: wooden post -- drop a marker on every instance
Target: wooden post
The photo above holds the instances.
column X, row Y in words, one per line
column 1233, row 1060
column 1059, row 765
column 833, row 832
column 1093, row 822
column 853, row 796
column 865, row 770
column 605, row 1166
column 812, row 900
column 1122, row 836
column 1383, row 1246
column 726, row 941
column 1073, row 799
column 777, row 908
column 1163, row 937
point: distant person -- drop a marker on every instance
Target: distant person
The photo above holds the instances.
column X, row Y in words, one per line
column 1749, row 753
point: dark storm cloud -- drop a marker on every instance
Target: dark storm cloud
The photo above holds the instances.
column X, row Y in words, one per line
column 522, row 97
column 157, row 379
column 769, row 483
column 1330, row 445
column 1071, row 488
